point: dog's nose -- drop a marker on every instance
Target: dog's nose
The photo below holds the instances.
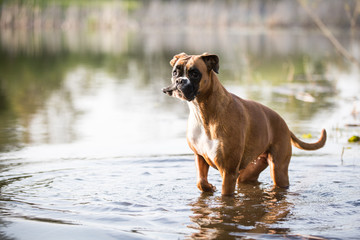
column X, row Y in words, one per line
column 181, row 81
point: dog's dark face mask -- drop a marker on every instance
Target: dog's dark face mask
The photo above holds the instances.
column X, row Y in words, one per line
column 186, row 77
column 185, row 81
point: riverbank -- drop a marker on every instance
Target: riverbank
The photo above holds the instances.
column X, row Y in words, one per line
column 140, row 14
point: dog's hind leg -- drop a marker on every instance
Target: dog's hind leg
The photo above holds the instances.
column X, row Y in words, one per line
column 253, row 169
column 279, row 160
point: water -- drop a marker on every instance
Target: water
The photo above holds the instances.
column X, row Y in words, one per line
column 90, row 148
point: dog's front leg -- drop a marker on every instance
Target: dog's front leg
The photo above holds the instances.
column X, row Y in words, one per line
column 202, row 172
column 228, row 182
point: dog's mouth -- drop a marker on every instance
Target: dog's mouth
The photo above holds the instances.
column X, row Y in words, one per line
column 186, row 92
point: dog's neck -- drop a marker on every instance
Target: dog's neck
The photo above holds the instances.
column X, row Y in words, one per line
column 211, row 103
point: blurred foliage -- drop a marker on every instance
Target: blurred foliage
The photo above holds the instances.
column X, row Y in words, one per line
column 130, row 5
column 201, row 13
column 307, row 135
column 354, row 139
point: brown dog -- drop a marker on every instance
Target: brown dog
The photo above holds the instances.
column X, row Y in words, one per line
column 238, row 137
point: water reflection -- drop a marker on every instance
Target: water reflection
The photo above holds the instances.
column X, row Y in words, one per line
column 254, row 209
column 43, row 87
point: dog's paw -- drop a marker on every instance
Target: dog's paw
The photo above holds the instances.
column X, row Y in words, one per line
column 205, row 186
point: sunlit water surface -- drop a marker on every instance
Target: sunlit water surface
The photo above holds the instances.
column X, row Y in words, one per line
column 92, row 149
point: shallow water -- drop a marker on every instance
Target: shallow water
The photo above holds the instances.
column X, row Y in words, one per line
column 92, row 149
column 156, row 198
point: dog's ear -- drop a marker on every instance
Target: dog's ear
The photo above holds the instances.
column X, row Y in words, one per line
column 211, row 61
column 176, row 57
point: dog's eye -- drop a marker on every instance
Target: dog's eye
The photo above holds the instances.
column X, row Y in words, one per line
column 174, row 73
column 194, row 74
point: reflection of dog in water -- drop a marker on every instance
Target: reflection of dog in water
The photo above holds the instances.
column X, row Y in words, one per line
column 238, row 137
column 226, row 218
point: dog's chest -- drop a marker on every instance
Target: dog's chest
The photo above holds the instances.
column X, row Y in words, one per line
column 197, row 137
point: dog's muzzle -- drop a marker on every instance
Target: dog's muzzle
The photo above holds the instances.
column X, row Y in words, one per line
column 183, row 88
column 180, row 84
column 169, row 89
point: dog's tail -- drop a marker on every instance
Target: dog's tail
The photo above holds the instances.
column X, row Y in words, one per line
column 309, row 146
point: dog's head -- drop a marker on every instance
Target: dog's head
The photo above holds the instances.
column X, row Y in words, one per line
column 191, row 75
